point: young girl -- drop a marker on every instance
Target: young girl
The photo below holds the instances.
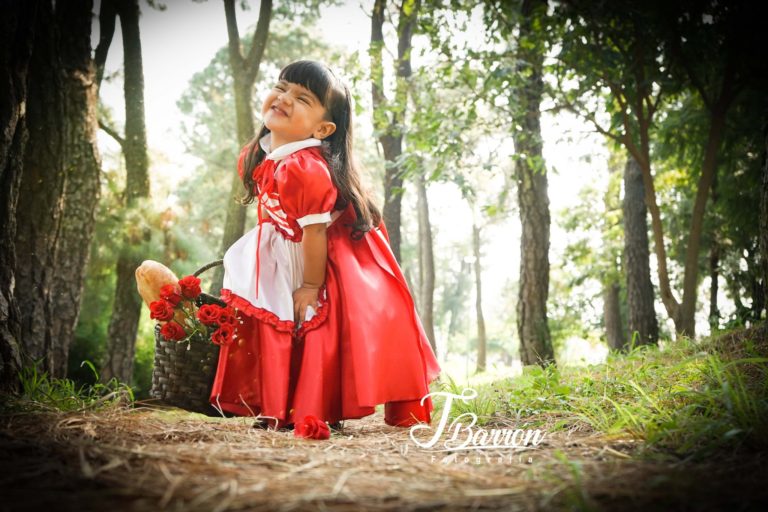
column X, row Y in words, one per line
column 328, row 326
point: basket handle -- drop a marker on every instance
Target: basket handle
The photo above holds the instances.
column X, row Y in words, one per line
column 205, row 298
column 207, row 266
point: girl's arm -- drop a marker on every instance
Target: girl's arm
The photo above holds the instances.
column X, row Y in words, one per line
column 314, row 244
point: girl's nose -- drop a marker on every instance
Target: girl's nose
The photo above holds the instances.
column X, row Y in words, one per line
column 284, row 97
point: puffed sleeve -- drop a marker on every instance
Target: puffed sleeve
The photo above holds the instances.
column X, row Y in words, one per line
column 306, row 190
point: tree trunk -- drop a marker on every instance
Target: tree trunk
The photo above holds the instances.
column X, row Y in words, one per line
column 482, row 342
column 764, row 210
column 82, row 186
column 426, row 263
column 683, row 313
column 758, row 296
column 714, row 276
column 457, row 296
column 686, row 326
column 532, row 327
column 614, row 334
column 16, row 38
column 60, row 184
column 123, row 325
column 244, row 71
column 641, row 316
column 388, row 117
column 714, row 269
column 38, row 211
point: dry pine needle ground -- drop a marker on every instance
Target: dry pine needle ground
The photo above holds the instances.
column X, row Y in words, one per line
column 149, row 458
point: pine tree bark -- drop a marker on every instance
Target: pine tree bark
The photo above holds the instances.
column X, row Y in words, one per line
column 38, row 211
column 641, row 316
column 124, row 323
column 764, row 211
column 388, row 116
column 82, row 185
column 482, row 341
column 60, row 183
column 16, row 41
column 426, row 263
column 533, row 201
column 614, row 334
column 244, row 72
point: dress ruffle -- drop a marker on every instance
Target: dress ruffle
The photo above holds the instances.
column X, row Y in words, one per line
column 268, row 317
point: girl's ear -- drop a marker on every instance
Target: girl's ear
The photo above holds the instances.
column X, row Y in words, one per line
column 326, row 129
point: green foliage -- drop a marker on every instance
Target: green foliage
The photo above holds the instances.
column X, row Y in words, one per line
column 682, row 400
column 592, row 259
column 730, row 220
column 483, row 406
column 42, row 392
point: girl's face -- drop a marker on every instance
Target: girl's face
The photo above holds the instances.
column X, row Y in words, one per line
column 292, row 112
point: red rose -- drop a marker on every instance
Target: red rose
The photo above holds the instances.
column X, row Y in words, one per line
column 209, row 313
column 170, row 293
column 161, row 310
column 172, row 332
column 190, row 286
column 311, row 427
column 227, row 316
column 223, row 335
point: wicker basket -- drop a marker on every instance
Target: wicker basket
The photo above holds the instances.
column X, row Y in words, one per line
column 183, row 373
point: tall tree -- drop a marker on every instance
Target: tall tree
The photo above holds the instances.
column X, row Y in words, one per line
column 718, row 82
column 533, row 201
column 245, row 69
column 614, row 334
column 642, row 54
column 641, row 316
column 123, row 325
column 82, row 186
column 60, row 182
column 389, row 114
column 16, row 42
column 728, row 231
column 482, row 339
column 764, row 207
column 611, row 279
column 714, row 268
column 426, row 262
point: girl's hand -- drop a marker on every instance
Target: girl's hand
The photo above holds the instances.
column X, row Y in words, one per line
column 302, row 298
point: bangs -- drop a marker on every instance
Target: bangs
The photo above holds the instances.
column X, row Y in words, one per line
column 310, row 75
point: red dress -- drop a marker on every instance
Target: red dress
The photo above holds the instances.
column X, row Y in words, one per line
column 365, row 344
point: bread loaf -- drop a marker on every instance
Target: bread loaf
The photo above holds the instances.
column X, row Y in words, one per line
column 150, row 277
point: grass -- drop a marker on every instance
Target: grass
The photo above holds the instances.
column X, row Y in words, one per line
column 685, row 400
column 40, row 391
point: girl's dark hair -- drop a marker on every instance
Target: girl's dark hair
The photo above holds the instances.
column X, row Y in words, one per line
column 336, row 148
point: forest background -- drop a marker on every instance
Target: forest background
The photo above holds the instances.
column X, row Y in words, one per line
column 560, row 179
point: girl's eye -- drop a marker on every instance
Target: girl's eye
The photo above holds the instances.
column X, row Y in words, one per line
column 304, row 100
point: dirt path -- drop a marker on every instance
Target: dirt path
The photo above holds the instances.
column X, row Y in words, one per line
column 145, row 459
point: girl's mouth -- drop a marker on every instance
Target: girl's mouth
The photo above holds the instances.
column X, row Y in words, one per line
column 279, row 110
